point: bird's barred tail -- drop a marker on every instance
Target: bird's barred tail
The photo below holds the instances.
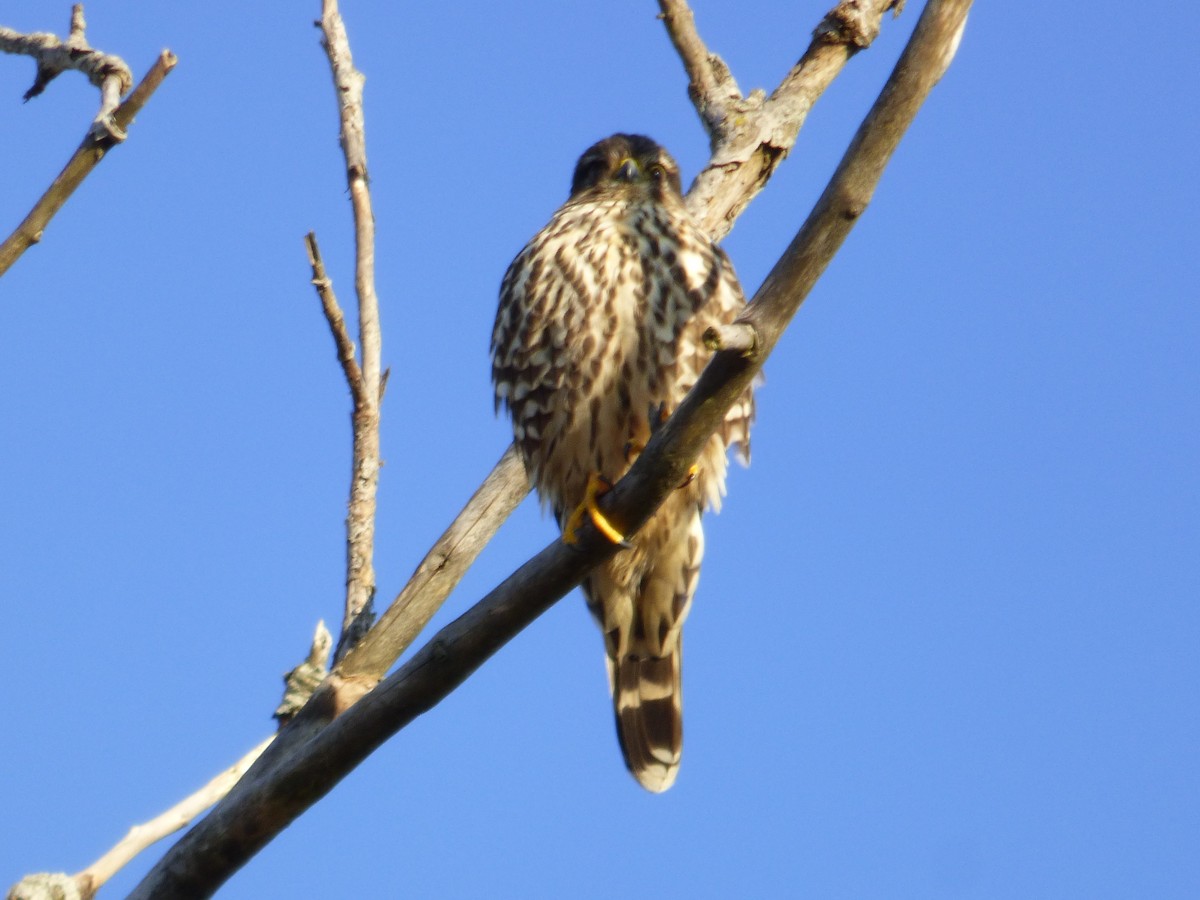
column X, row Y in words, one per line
column 640, row 599
column 647, row 698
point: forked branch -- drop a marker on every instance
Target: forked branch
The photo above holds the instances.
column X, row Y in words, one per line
column 53, row 56
column 273, row 794
column 367, row 661
column 751, row 135
column 365, row 377
column 759, row 134
column 95, row 145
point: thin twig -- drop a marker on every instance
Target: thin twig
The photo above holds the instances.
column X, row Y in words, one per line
column 179, row 816
column 89, row 154
column 364, row 481
column 335, row 317
column 85, row 884
column 295, row 778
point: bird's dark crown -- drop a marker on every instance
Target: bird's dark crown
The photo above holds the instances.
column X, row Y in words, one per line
column 626, row 159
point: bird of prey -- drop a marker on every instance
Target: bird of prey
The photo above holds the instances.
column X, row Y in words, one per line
column 597, row 339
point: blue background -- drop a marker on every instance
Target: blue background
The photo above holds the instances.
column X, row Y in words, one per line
column 945, row 643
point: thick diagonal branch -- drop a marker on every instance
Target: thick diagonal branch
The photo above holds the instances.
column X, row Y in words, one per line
column 716, row 198
column 507, row 485
column 440, row 570
column 292, row 780
column 749, row 139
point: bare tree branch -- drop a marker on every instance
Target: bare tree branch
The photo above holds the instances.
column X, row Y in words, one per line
column 89, row 154
column 752, row 135
column 432, row 582
column 294, row 777
column 714, row 203
column 717, row 197
column 179, row 816
column 300, row 682
column 504, row 488
column 106, row 71
column 336, row 319
column 501, row 492
column 85, row 884
column 712, row 87
column 364, row 480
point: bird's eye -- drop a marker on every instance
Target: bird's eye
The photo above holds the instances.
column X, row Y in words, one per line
column 657, row 172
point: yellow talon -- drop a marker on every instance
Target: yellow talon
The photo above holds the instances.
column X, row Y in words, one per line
column 570, row 530
column 597, row 485
column 692, row 472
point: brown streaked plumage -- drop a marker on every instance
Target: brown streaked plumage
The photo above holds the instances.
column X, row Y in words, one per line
column 599, row 332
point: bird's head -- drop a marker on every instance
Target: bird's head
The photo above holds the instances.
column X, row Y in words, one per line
column 626, row 163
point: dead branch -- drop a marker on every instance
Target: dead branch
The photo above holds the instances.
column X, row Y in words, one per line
column 759, row 135
column 179, row 816
column 106, row 71
column 85, row 884
column 712, row 87
column 441, row 569
column 504, row 488
column 336, row 319
column 296, row 776
column 364, row 481
column 89, row 154
column 715, row 203
column 751, row 135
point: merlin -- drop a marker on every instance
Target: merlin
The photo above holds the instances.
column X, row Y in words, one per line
column 598, row 337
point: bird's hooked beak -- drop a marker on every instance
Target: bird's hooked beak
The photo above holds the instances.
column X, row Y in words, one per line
column 629, row 170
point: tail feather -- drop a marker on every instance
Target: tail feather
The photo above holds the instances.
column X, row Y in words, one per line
column 640, row 600
column 647, row 698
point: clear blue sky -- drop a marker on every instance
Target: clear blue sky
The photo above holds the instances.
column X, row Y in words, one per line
column 946, row 638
